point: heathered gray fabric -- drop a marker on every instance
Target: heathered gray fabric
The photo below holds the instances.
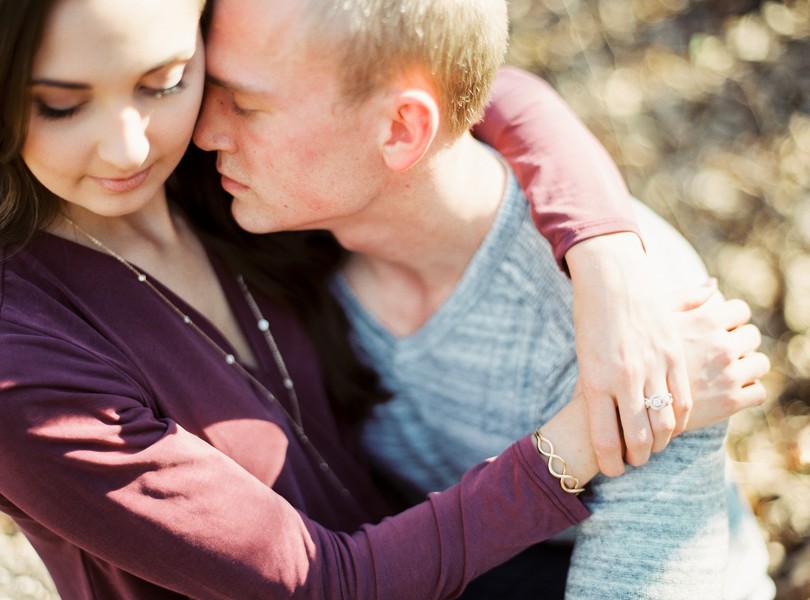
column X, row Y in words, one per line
column 496, row 360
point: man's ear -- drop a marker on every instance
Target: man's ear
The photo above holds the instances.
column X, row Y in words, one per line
column 413, row 123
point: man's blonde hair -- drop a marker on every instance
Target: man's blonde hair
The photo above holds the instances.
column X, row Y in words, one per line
column 458, row 44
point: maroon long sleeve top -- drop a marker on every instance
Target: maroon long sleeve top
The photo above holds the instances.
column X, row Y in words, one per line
column 141, row 465
column 575, row 188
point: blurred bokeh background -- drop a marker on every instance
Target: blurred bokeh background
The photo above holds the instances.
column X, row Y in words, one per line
column 705, row 106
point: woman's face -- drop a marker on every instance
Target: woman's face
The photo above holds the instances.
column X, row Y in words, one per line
column 116, row 87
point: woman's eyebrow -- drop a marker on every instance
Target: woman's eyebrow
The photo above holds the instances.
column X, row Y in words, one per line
column 180, row 57
column 68, row 85
column 72, row 85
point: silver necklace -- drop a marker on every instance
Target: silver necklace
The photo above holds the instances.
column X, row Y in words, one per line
column 294, row 420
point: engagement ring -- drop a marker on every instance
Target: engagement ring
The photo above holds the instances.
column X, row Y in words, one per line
column 658, row 401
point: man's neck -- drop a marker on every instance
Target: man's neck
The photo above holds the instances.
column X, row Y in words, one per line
column 408, row 257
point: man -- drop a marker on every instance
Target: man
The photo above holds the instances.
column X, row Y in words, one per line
column 354, row 117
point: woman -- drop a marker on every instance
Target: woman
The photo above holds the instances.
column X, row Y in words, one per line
column 167, row 432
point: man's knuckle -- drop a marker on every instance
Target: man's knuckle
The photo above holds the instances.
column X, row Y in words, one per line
column 638, row 460
column 606, row 446
column 663, row 427
column 637, row 442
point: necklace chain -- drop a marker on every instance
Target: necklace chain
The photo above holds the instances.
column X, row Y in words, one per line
column 294, row 420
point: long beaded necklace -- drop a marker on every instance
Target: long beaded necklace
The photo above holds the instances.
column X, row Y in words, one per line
column 294, row 420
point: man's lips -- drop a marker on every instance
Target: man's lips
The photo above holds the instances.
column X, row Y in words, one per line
column 125, row 184
column 232, row 186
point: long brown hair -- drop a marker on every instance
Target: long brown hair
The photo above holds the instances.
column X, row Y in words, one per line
column 25, row 205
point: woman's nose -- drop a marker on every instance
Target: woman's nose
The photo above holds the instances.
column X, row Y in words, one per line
column 125, row 145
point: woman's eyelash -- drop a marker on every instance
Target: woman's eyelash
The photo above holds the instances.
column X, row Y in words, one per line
column 160, row 93
column 54, row 114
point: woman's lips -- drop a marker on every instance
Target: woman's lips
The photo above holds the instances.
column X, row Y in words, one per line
column 120, row 186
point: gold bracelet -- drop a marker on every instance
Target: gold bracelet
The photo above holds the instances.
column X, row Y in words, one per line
column 568, row 483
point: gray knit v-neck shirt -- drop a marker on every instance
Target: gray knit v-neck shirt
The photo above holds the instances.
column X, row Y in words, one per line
column 496, row 360
column 465, row 386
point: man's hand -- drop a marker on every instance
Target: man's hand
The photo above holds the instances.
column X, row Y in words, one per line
column 724, row 364
column 628, row 348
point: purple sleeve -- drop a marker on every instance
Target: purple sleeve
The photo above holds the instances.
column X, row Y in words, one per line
column 85, row 457
column 574, row 187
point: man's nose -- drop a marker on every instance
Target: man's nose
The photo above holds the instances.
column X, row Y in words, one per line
column 210, row 133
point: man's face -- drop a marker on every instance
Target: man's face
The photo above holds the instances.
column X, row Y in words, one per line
column 290, row 155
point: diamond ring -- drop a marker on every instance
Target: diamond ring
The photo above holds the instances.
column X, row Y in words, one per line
column 658, row 401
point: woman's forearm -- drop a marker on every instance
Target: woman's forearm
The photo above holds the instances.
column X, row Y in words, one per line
column 575, row 189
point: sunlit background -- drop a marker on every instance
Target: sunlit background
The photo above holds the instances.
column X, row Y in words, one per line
column 705, row 106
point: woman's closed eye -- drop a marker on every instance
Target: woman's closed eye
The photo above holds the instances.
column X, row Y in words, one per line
column 53, row 113
column 158, row 93
column 165, row 82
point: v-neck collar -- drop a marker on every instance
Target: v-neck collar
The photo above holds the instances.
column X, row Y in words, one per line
column 472, row 285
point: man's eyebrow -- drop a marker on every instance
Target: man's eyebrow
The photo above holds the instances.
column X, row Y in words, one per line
column 182, row 57
column 232, row 86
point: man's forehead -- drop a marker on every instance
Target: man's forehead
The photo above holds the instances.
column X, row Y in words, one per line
column 232, row 60
column 262, row 56
column 242, row 44
column 255, row 20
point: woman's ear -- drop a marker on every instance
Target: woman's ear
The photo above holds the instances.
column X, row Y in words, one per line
column 412, row 125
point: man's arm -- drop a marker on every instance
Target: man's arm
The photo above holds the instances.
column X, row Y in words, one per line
column 660, row 531
column 627, row 343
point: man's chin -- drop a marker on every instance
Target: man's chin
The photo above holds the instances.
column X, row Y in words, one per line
column 247, row 219
column 255, row 219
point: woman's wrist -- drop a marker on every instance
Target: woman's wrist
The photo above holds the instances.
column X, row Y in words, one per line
column 556, row 464
column 570, row 439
